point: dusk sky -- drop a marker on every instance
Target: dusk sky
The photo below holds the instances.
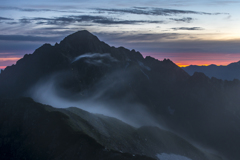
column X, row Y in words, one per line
column 195, row 32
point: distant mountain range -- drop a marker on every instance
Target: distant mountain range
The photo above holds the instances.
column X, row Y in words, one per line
column 229, row 72
column 112, row 103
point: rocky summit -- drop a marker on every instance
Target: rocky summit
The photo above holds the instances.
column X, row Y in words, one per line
column 83, row 99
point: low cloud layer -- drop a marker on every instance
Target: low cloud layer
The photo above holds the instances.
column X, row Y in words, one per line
column 94, row 55
column 165, row 156
column 96, row 99
column 96, row 59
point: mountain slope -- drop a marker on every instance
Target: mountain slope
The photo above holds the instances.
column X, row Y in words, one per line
column 38, row 131
column 29, row 130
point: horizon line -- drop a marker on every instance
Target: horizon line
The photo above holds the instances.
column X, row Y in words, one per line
column 201, row 65
column 179, row 65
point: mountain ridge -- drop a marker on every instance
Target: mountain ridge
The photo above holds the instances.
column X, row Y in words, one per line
column 48, row 59
column 42, row 132
column 228, row 72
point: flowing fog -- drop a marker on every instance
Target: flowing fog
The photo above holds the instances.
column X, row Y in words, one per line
column 89, row 57
column 98, row 98
column 48, row 91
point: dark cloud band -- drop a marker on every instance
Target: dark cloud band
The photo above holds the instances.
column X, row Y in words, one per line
column 154, row 11
column 185, row 19
column 38, row 10
column 27, row 38
column 5, row 19
column 188, row 28
column 82, row 18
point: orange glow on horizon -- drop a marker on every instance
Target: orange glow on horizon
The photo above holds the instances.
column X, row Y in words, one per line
column 181, row 60
column 199, row 59
column 10, row 59
column 3, row 67
column 202, row 64
column 180, row 65
column 186, row 65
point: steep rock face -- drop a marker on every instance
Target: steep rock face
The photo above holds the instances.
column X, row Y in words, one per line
column 84, row 42
column 16, row 79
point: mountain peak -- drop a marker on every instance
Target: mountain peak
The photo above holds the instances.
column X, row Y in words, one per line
column 82, row 42
column 82, row 35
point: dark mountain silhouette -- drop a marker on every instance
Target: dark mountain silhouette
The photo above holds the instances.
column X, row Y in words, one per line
column 229, row 72
column 201, row 115
column 49, row 59
column 30, row 130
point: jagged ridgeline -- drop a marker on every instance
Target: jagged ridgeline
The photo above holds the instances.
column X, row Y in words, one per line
column 112, row 103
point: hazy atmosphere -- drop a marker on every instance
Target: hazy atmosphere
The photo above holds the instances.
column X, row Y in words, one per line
column 119, row 80
column 187, row 32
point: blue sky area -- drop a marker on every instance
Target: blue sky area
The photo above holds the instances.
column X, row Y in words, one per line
column 187, row 32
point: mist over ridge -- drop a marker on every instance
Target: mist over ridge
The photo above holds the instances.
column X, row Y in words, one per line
column 85, row 73
column 49, row 91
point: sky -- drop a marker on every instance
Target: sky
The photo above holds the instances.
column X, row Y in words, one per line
column 197, row 32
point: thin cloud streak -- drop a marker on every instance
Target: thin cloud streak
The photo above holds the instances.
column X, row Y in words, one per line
column 188, row 28
column 38, row 10
column 153, row 11
column 27, row 38
column 5, row 19
column 185, row 19
column 9, row 59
